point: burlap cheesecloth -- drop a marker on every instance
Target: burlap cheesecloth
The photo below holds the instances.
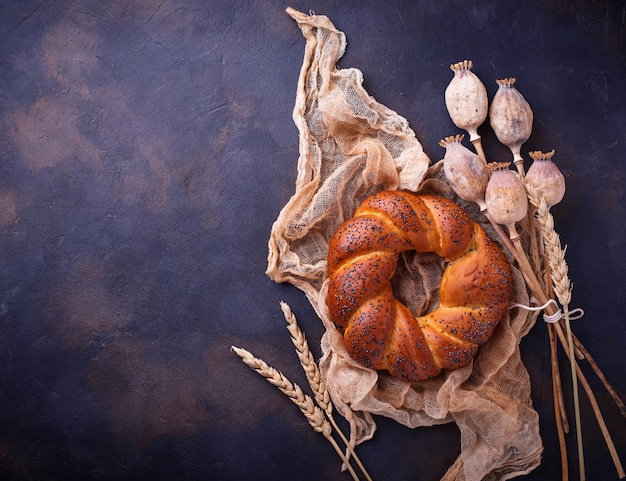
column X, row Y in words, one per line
column 350, row 147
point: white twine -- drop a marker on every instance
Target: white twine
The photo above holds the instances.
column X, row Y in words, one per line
column 574, row 314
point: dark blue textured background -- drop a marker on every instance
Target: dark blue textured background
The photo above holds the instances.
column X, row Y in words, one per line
column 146, row 147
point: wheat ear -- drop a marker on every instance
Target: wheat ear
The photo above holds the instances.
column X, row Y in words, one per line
column 314, row 377
column 307, row 361
column 313, row 413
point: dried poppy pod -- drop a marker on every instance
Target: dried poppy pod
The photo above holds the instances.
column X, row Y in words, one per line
column 511, row 118
column 506, row 197
column 467, row 102
column 546, row 177
column 466, row 173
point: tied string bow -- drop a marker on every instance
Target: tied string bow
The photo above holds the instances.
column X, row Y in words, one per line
column 552, row 318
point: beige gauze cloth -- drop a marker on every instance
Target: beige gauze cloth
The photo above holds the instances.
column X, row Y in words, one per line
column 351, row 147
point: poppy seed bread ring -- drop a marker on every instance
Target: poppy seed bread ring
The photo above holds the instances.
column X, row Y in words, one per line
column 379, row 331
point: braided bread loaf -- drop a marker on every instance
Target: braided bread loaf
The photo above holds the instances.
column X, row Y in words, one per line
column 380, row 332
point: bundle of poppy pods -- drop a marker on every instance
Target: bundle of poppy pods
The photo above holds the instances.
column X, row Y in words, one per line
column 509, row 198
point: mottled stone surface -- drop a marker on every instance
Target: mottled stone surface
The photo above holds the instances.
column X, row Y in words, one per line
column 146, row 147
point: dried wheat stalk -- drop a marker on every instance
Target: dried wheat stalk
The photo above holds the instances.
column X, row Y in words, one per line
column 313, row 413
column 314, row 377
column 307, row 406
column 562, row 288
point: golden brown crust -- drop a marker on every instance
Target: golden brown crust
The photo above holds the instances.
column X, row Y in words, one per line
column 379, row 331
